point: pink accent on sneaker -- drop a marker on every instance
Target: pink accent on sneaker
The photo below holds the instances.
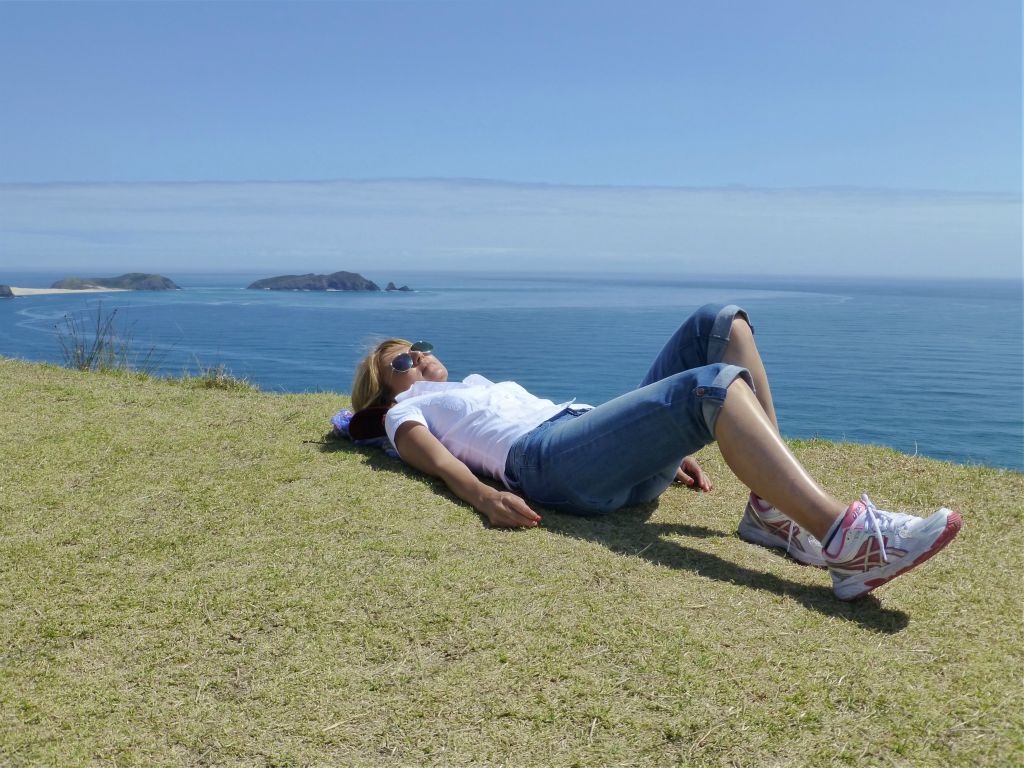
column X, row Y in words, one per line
column 953, row 525
column 873, row 546
column 764, row 525
column 869, row 554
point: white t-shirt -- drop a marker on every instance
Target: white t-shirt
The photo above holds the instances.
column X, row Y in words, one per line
column 476, row 419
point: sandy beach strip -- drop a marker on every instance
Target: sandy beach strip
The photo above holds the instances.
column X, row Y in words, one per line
column 41, row 291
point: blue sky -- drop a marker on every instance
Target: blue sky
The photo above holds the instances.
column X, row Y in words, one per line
column 772, row 100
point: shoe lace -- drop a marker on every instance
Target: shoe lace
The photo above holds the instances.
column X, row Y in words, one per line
column 791, row 536
column 874, row 524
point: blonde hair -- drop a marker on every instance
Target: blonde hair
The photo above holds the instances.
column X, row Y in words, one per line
column 368, row 388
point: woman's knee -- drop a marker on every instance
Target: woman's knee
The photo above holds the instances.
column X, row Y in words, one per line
column 727, row 322
column 741, row 330
column 705, row 317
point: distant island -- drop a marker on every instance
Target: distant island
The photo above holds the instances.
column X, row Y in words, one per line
column 133, row 281
column 336, row 281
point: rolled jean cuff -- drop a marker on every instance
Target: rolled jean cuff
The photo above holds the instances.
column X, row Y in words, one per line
column 712, row 398
column 718, row 339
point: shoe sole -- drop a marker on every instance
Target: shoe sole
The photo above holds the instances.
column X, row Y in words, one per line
column 953, row 524
column 751, row 534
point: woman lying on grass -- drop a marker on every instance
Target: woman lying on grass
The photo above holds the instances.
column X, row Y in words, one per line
column 707, row 384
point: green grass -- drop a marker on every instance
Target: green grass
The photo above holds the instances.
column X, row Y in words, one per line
column 188, row 578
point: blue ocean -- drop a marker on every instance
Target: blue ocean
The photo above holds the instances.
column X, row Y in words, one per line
column 929, row 367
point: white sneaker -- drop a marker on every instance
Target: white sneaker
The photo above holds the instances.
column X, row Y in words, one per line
column 763, row 524
column 873, row 546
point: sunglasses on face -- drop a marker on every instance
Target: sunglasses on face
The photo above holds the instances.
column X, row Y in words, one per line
column 404, row 362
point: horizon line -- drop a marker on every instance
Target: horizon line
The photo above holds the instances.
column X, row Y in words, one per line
column 496, row 182
column 622, row 271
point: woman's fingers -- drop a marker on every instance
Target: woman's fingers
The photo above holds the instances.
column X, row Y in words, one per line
column 522, row 510
column 694, row 474
column 701, row 480
column 512, row 512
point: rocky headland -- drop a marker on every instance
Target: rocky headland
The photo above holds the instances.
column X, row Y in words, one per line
column 6, row 292
column 336, row 281
column 132, row 281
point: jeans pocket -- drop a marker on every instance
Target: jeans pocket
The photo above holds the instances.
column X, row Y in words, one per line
column 538, row 488
column 569, row 500
column 579, row 508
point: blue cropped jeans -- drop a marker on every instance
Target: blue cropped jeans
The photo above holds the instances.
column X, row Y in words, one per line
column 627, row 451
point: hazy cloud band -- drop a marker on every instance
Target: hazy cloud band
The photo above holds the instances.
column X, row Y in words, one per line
column 466, row 224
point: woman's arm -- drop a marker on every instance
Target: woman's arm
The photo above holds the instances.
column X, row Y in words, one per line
column 426, row 453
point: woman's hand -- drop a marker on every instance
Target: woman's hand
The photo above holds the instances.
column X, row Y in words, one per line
column 422, row 450
column 691, row 473
column 506, row 510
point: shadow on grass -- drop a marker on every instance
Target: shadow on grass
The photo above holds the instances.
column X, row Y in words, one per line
column 630, row 532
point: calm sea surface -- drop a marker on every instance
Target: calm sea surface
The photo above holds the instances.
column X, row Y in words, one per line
column 933, row 367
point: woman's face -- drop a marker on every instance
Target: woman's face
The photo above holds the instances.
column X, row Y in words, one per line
column 425, row 367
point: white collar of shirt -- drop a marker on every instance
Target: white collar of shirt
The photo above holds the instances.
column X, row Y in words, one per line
column 425, row 387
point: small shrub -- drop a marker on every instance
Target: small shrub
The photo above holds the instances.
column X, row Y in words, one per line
column 93, row 342
column 219, row 377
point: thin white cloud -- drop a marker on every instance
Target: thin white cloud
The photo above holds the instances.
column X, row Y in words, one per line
column 474, row 224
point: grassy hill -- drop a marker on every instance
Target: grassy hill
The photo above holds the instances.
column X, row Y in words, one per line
column 187, row 577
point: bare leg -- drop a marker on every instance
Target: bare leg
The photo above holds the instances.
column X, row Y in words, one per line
column 742, row 351
column 752, row 448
